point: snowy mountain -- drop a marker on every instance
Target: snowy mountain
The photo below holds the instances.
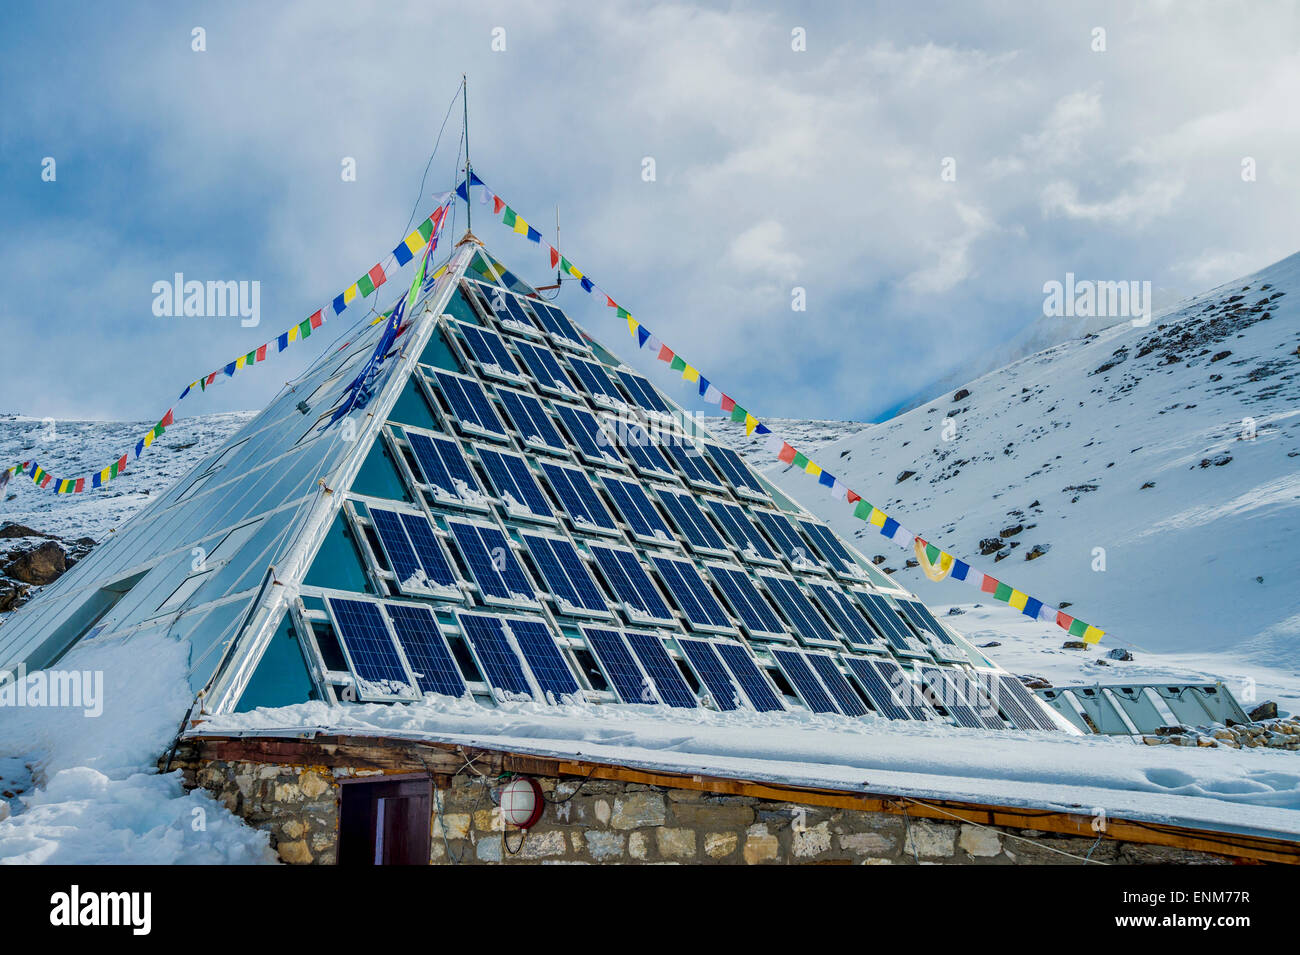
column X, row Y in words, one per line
column 1149, row 478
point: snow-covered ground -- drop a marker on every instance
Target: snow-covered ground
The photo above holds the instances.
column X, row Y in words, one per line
column 1156, row 470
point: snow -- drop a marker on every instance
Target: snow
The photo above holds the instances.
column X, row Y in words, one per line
column 98, row 796
column 1246, row 790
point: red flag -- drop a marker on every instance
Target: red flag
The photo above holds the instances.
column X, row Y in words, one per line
column 1063, row 620
column 555, row 257
column 787, row 453
column 990, row 585
column 316, row 320
column 498, row 204
column 168, row 419
column 610, row 302
column 728, row 403
column 853, row 497
column 665, row 353
column 261, row 353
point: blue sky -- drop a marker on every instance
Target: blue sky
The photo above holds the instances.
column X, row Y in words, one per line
column 775, row 168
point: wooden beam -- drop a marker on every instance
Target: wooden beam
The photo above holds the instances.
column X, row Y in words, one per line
column 445, row 760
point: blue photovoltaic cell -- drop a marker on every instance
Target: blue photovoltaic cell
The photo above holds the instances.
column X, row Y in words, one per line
column 746, row 601
column 437, row 568
column 556, row 322
column 907, row 693
column 543, row 656
column 629, row 581
column 470, row 404
column 578, row 498
column 488, row 350
column 643, row 393
column 693, row 598
column 804, row 681
column 950, row 697
column 1013, row 689
column 846, row 697
column 735, row 469
column 371, row 650
column 544, row 368
column 878, row 689
column 620, row 666
column 637, row 511
column 426, row 649
column 737, row 526
column 565, row 574
column 590, row 439
column 661, row 669
column 500, row 664
column 831, row 549
column 397, row 547
column 595, row 381
column 638, row 446
column 847, row 617
column 691, row 523
column 970, row 691
column 715, row 677
column 691, row 462
column 797, row 609
column 920, row 615
column 751, row 679
column 506, row 307
column 492, row 563
column 443, row 465
column 886, row 617
column 531, row 421
column 792, row 547
column 512, row 478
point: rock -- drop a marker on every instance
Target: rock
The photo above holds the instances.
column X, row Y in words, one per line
column 42, row 565
column 1119, row 653
column 878, row 559
column 955, row 611
column 1148, row 484
column 294, row 853
column 990, row 545
column 719, row 844
column 812, row 841
column 1265, row 711
column 929, row 839
column 638, row 810
column 1074, row 645
column 989, row 645
column 961, row 394
column 311, row 784
column 1033, row 682
column 903, row 476
column 760, row 845
column 1011, row 531
column 867, row 843
column 1220, row 356
column 980, row 842
column 1037, row 551
column 1176, row 729
column 12, row 596
column 638, row 845
column 10, row 530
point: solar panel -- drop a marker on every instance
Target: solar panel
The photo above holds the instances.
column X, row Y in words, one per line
column 643, row 393
column 489, row 351
column 616, row 660
column 751, row 679
column 505, row 306
column 906, row 692
column 443, row 466
column 663, row 673
column 472, row 410
column 544, row 659
column 798, row 610
column 545, row 369
column 632, row 585
column 566, row 575
column 804, row 681
column 691, row 462
column 638, row 512
column 581, row 504
column 690, row 521
column 515, row 484
column 920, row 615
column 642, row 451
column 691, row 595
column 492, row 563
column 531, row 421
column 596, row 383
column 715, row 677
column 1013, row 689
column 791, row 546
column 371, row 652
column 832, row 550
column 836, row 683
column 397, row 547
column 590, row 440
column 887, row 619
column 426, row 649
column 557, row 323
column 972, row 691
column 741, row 532
column 497, row 660
column 746, row 602
column 877, row 689
column 433, row 560
column 949, row 696
column 846, row 616
column 736, row 471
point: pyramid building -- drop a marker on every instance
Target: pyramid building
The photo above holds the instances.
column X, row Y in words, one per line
column 510, row 513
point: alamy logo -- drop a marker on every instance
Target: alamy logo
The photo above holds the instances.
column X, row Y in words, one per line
column 73, row 689
column 74, row 907
column 1086, row 298
column 179, row 298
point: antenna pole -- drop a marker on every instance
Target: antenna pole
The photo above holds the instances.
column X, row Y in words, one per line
column 469, row 206
column 558, row 273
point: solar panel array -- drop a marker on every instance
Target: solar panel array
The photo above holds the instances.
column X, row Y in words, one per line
column 668, row 560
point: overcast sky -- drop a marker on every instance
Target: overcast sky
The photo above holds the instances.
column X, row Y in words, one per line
column 775, row 168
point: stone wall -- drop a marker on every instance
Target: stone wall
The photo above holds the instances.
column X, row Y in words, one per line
column 602, row 821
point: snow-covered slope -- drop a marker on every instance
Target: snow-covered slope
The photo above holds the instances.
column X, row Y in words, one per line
column 1149, row 478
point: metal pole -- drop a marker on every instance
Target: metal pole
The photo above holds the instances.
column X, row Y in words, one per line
column 469, row 206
